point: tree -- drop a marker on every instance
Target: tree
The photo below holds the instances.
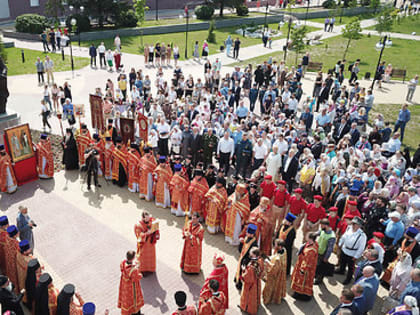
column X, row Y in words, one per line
column 374, row 4
column 140, row 9
column 222, row 4
column 211, row 37
column 352, row 31
column 54, row 8
column 385, row 21
column 298, row 40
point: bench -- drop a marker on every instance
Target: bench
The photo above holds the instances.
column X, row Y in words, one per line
column 314, row 66
column 399, row 73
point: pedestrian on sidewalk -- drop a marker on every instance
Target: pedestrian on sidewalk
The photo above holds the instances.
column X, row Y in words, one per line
column 411, row 88
column 46, row 95
column 228, row 44
column 117, row 42
column 196, row 54
column 49, row 68
column 236, row 47
column 51, row 36
column 176, row 54
column 205, row 51
column 40, row 70
column 92, row 54
column 101, row 51
column 354, row 68
column 326, row 24
column 332, row 21
column 44, row 39
column 305, row 63
column 109, row 59
column 45, row 113
column 404, row 117
column 58, row 38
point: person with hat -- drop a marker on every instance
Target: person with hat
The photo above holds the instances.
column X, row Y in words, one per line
column 99, row 146
column 89, row 308
column 276, row 276
column 130, row 294
column 352, row 244
column 326, row 242
column 232, row 185
column 376, row 243
column 196, row 191
column 379, row 211
column 304, row 270
column 287, row 234
column 314, row 213
column 162, row 176
column 183, row 309
column 70, row 154
column 9, row 301
column 280, row 203
column 46, row 295
column 297, row 206
column 215, row 304
column 32, row 276
column 178, row 186
column 108, row 150
column 333, row 218
column 193, row 234
column 4, row 224
column 83, row 139
column 352, row 208
column 8, row 182
column 65, row 301
column 111, row 131
column 247, row 242
column 254, row 196
column 267, row 187
column 237, row 213
column 11, row 249
column 251, row 276
column 23, row 256
column 216, row 204
column 133, row 166
column 394, row 231
column 147, row 167
column 119, row 163
column 219, row 273
column 210, row 174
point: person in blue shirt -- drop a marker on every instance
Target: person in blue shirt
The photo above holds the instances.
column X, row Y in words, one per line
column 394, row 229
column 359, row 299
column 224, row 90
column 370, row 284
column 253, row 95
column 241, row 111
column 92, row 54
column 243, row 156
column 404, row 117
column 413, row 288
column 386, row 132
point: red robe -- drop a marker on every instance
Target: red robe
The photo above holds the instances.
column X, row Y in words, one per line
column 52, row 299
column 214, row 306
column 118, row 156
column 130, row 296
column 6, row 163
column 147, row 166
column 191, row 254
column 179, row 187
column 190, row 310
column 3, row 239
column 100, row 147
column 265, row 229
column 11, row 250
column 83, row 142
column 162, row 175
column 146, row 246
column 216, row 205
column 21, row 269
column 221, row 274
column 108, row 161
column 251, row 289
column 133, row 158
column 44, row 152
column 304, row 272
column 196, row 192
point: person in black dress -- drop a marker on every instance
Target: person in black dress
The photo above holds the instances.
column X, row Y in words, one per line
column 70, row 154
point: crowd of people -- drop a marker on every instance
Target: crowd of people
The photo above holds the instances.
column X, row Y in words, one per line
column 309, row 165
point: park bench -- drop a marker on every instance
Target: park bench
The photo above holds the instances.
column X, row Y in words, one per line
column 314, row 66
column 399, row 73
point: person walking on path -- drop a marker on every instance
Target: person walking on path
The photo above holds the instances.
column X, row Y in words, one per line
column 411, row 88
column 40, row 70
column 49, row 68
column 326, row 24
column 354, row 68
column 47, row 98
column 228, row 43
column 404, row 117
column 101, row 50
column 117, row 42
column 51, row 36
column 92, row 54
column 45, row 114
column 332, row 21
column 44, row 39
column 236, row 47
column 25, row 225
column 196, row 54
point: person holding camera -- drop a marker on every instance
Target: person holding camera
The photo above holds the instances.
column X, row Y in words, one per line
column 92, row 165
column 25, row 226
column 9, row 300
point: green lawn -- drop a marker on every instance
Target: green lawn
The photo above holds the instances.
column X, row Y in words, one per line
column 16, row 67
column 344, row 19
column 403, row 54
column 131, row 44
column 390, row 113
column 406, row 25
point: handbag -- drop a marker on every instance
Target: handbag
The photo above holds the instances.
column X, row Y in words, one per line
column 72, row 120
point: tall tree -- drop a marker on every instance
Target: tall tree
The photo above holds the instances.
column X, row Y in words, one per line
column 385, row 21
column 222, row 4
column 352, row 31
column 54, row 8
column 140, row 9
column 298, row 40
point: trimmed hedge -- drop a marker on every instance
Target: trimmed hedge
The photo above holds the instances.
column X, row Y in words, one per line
column 126, row 19
column 31, row 23
column 242, row 10
column 204, row 12
column 83, row 22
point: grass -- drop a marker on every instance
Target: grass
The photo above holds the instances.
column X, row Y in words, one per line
column 131, row 44
column 16, row 67
column 406, row 25
column 402, row 55
column 344, row 19
column 390, row 113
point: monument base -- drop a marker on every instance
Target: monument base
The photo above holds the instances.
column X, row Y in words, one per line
column 7, row 120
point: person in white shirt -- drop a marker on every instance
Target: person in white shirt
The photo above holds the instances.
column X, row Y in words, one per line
column 394, row 144
column 176, row 139
column 109, row 59
column 273, row 163
column 101, row 50
column 260, row 152
column 172, row 95
column 352, row 244
column 117, row 43
column 225, row 151
column 281, row 144
column 134, row 94
column 293, row 103
column 163, row 132
column 49, row 68
column 58, row 38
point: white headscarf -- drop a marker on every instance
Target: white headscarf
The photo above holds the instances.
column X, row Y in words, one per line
column 404, row 266
column 412, row 302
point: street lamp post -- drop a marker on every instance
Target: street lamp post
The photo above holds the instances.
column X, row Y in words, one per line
column 307, row 9
column 157, row 10
column 287, row 40
column 73, row 23
column 186, row 32
column 379, row 60
column 266, row 12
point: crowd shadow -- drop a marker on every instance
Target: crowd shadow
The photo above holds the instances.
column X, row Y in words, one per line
column 155, row 295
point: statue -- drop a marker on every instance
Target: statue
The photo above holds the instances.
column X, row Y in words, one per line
column 4, row 92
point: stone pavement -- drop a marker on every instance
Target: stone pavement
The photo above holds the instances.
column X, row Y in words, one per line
column 83, row 235
column 393, row 35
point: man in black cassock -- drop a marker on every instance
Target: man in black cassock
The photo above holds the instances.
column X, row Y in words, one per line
column 70, row 154
column 113, row 132
column 8, row 299
column 287, row 233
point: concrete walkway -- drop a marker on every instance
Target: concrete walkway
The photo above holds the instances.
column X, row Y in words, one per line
column 393, row 35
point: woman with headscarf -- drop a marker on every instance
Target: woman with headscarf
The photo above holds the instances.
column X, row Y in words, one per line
column 409, row 307
column 66, row 304
column 70, row 154
column 32, row 274
column 400, row 275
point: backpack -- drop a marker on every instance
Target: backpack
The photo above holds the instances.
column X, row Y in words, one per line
column 351, row 67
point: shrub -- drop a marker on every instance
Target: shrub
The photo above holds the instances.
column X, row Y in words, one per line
column 82, row 25
column 365, row 3
column 211, row 37
column 127, row 19
column 329, row 4
column 204, row 12
column 242, row 10
column 31, row 23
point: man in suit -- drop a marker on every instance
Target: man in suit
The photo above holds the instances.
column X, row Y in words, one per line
column 370, row 284
column 346, row 302
column 323, row 95
column 371, row 259
column 25, row 226
column 354, row 133
column 8, row 299
column 290, row 168
column 231, row 99
column 308, row 118
column 341, row 129
column 237, row 93
column 196, row 146
column 359, row 299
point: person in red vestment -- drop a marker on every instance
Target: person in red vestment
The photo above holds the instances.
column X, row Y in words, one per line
column 196, row 192
column 23, row 256
column 313, row 215
column 179, row 186
column 130, row 295
column 237, row 213
column 333, row 218
column 99, row 146
column 147, row 167
column 215, row 305
column 133, row 165
column 119, row 163
column 304, row 271
column 297, row 206
column 45, row 158
column 147, row 234
column 183, row 309
column 162, row 177
column 219, row 273
column 352, row 209
column 83, row 140
column 108, row 150
column 11, row 249
column 193, row 234
column 4, row 224
column 251, row 279
column 216, row 203
column 376, row 243
column 8, row 181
